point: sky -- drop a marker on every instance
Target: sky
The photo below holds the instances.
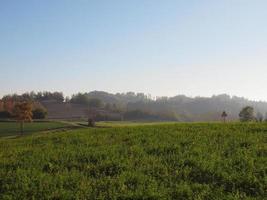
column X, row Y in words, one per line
column 159, row 47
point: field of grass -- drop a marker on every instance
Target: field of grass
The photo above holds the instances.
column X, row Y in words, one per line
column 13, row 128
column 130, row 123
column 165, row 161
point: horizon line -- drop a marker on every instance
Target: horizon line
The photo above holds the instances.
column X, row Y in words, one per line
column 152, row 97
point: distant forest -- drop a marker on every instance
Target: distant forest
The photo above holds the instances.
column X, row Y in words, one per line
column 138, row 106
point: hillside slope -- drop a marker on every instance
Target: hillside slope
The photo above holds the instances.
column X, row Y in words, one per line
column 183, row 107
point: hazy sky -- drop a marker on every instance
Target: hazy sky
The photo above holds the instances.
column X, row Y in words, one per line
column 161, row 47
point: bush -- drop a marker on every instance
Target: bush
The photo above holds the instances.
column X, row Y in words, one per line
column 5, row 115
column 247, row 114
column 39, row 113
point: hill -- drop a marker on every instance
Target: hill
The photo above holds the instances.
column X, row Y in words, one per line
column 138, row 106
column 62, row 110
column 182, row 107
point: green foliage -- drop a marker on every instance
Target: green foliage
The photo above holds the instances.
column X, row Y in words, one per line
column 39, row 96
column 5, row 115
column 247, row 114
column 259, row 117
column 168, row 161
column 39, row 113
column 95, row 103
column 84, row 99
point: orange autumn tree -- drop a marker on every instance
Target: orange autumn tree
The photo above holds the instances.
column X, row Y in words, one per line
column 8, row 105
column 1, row 106
column 23, row 113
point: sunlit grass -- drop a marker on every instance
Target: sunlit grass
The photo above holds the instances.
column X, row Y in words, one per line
column 159, row 161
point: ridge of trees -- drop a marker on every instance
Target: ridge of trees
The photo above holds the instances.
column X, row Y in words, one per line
column 180, row 107
column 39, row 96
column 10, row 106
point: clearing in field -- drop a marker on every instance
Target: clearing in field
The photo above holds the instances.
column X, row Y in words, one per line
column 166, row 161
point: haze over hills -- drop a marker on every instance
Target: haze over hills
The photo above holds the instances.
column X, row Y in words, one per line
column 185, row 108
column 138, row 106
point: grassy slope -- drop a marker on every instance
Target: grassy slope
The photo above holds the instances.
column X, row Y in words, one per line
column 12, row 128
column 182, row 161
column 130, row 123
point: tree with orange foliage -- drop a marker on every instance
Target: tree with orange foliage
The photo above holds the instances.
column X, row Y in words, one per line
column 8, row 105
column 1, row 105
column 23, row 113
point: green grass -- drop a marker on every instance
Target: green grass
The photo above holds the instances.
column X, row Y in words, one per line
column 129, row 123
column 113, row 124
column 13, row 128
column 166, row 161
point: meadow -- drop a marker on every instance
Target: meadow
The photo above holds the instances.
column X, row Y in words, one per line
column 13, row 128
column 155, row 161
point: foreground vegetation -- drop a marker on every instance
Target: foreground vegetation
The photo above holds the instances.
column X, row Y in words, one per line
column 167, row 161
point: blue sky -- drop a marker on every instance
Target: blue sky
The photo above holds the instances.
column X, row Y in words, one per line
column 192, row 47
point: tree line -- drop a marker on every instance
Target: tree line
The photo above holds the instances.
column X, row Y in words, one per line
column 135, row 106
column 8, row 108
column 247, row 114
column 36, row 96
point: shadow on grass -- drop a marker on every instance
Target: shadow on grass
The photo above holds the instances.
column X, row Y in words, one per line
column 16, row 135
column 97, row 126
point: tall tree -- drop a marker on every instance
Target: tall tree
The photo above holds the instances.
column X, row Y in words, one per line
column 224, row 115
column 247, row 114
column 265, row 118
column 8, row 105
column 23, row 113
column 1, row 105
column 259, row 117
column 91, row 114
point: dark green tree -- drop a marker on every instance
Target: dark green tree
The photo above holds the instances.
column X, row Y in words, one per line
column 247, row 114
column 259, row 117
column 39, row 113
column 265, row 118
column 224, row 115
column 95, row 103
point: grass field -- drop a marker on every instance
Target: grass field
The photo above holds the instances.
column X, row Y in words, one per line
column 165, row 161
column 12, row 128
column 114, row 124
